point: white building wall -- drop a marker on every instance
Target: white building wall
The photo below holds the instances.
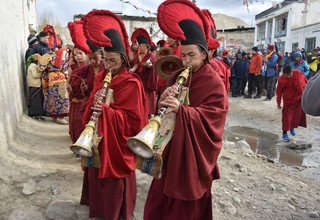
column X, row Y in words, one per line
column 300, row 35
column 299, row 15
column 156, row 36
column 13, row 44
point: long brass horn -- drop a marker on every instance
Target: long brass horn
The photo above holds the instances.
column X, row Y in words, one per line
column 142, row 143
column 83, row 146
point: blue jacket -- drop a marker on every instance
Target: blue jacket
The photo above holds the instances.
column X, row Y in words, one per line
column 302, row 66
column 40, row 48
column 272, row 62
column 236, row 69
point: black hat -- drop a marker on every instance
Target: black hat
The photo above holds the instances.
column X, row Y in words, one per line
column 42, row 34
column 243, row 53
column 255, row 48
column 32, row 39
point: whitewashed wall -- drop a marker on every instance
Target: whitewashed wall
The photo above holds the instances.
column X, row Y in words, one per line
column 15, row 18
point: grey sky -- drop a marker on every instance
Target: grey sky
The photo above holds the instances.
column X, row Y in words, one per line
column 65, row 9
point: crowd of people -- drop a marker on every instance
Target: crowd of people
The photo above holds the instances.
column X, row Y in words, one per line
column 68, row 84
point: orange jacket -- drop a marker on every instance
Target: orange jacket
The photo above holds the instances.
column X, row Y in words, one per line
column 255, row 64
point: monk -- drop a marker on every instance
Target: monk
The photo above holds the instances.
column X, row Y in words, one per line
column 112, row 184
column 190, row 158
column 145, row 69
column 290, row 88
column 75, row 95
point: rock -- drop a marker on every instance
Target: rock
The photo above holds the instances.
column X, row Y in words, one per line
column 236, row 200
column 314, row 214
column 242, row 169
column 225, row 158
column 227, row 194
column 236, row 189
column 244, row 146
column 61, row 209
column 292, row 207
column 298, row 145
column 270, row 160
column 229, row 144
column 227, row 207
column 272, row 187
column 54, row 190
column 263, row 157
column 237, row 165
column 82, row 212
column 282, row 190
column 29, row 187
column 293, row 201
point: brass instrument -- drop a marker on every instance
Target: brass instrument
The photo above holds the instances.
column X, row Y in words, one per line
column 163, row 51
column 83, row 146
column 142, row 143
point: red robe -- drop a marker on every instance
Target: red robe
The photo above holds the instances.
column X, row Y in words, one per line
column 112, row 188
column 190, row 159
column 291, row 89
column 224, row 72
column 76, row 97
column 149, row 80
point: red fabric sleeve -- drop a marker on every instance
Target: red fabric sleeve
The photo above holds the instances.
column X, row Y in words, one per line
column 279, row 90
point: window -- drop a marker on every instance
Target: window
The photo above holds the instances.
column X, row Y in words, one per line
column 295, row 46
column 261, row 31
column 281, row 26
column 310, row 44
column 281, row 46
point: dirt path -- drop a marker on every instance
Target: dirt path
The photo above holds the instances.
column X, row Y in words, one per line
column 250, row 187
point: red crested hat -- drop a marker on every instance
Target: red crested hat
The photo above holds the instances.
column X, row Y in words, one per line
column 213, row 44
column 49, row 29
column 183, row 20
column 141, row 36
column 162, row 43
column 79, row 39
column 104, row 28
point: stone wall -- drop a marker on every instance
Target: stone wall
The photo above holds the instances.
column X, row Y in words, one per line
column 15, row 18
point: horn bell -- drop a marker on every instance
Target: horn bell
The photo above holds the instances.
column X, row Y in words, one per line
column 142, row 143
column 83, row 146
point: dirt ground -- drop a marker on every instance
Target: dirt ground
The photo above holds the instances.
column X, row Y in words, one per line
column 251, row 186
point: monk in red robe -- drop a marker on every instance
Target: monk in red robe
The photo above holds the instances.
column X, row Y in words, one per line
column 75, row 95
column 213, row 46
column 190, row 158
column 290, row 88
column 112, row 185
column 145, row 69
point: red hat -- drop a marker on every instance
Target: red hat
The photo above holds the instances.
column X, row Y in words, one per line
column 141, row 36
column 80, row 41
column 162, row 43
column 183, row 20
column 213, row 44
column 225, row 51
column 104, row 28
column 271, row 47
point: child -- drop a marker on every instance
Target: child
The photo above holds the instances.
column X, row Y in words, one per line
column 290, row 87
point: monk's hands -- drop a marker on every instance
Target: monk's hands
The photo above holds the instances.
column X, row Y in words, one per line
column 168, row 99
column 97, row 102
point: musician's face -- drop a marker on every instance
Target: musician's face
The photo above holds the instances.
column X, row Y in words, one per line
column 95, row 58
column 193, row 55
column 79, row 55
column 113, row 60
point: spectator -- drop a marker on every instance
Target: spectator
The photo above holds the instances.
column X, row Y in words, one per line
column 271, row 71
column 32, row 41
column 254, row 73
column 299, row 64
column 42, row 47
column 313, row 60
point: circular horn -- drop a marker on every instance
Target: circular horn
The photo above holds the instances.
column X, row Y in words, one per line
column 167, row 65
column 164, row 51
